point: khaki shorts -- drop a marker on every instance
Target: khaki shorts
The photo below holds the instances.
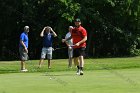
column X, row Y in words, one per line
column 70, row 53
column 23, row 54
column 46, row 51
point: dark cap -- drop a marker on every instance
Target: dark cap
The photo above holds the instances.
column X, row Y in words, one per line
column 77, row 20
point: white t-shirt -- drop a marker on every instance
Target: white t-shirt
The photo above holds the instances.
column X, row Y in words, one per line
column 70, row 42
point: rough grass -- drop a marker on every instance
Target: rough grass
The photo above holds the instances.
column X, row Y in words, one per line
column 61, row 65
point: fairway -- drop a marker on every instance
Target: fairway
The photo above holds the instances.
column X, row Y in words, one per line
column 96, row 81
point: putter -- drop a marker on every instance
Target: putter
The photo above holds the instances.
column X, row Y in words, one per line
column 62, row 48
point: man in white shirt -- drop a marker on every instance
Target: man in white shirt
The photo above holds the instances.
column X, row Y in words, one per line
column 69, row 43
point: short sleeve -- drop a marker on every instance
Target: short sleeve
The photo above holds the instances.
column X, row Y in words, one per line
column 84, row 32
column 67, row 35
column 22, row 37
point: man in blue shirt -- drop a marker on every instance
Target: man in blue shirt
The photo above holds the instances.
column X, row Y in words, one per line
column 47, row 34
column 23, row 48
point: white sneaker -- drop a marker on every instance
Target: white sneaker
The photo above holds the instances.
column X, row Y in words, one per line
column 81, row 72
column 78, row 72
column 24, row 70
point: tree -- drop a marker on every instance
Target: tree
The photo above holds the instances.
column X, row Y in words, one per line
column 115, row 24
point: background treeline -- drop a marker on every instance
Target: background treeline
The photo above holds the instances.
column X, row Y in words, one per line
column 113, row 26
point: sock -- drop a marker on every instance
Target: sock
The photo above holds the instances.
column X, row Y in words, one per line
column 78, row 67
column 81, row 68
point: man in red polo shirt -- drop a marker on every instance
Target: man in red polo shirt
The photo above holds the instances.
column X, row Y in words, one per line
column 79, row 36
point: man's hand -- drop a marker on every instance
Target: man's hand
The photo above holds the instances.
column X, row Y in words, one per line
column 44, row 28
column 26, row 50
column 51, row 29
column 77, row 44
column 63, row 40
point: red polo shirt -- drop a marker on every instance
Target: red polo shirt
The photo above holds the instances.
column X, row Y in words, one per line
column 78, row 33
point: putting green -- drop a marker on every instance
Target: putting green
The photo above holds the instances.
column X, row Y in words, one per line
column 96, row 81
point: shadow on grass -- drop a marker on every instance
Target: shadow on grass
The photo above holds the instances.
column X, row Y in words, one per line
column 49, row 75
column 5, row 71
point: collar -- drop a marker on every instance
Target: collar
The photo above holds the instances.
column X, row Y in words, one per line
column 25, row 32
column 78, row 26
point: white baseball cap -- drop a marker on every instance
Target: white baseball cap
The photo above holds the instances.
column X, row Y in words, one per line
column 70, row 26
column 26, row 28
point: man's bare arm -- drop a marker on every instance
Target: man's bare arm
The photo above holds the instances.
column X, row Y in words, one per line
column 42, row 32
column 82, row 41
column 24, row 46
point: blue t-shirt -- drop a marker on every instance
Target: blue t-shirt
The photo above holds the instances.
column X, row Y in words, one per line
column 24, row 38
column 47, row 40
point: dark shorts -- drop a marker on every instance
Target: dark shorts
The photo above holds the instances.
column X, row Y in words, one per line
column 79, row 52
column 23, row 54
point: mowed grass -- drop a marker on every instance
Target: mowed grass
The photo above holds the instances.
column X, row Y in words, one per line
column 96, row 81
column 106, row 75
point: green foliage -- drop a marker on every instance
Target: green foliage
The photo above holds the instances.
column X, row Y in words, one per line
column 134, row 51
column 71, row 10
column 113, row 25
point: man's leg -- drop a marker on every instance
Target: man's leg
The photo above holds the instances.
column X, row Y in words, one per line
column 43, row 55
column 23, row 58
column 22, row 65
column 40, row 62
column 49, row 56
column 49, row 63
column 70, row 54
column 70, row 62
column 81, row 59
column 76, row 62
